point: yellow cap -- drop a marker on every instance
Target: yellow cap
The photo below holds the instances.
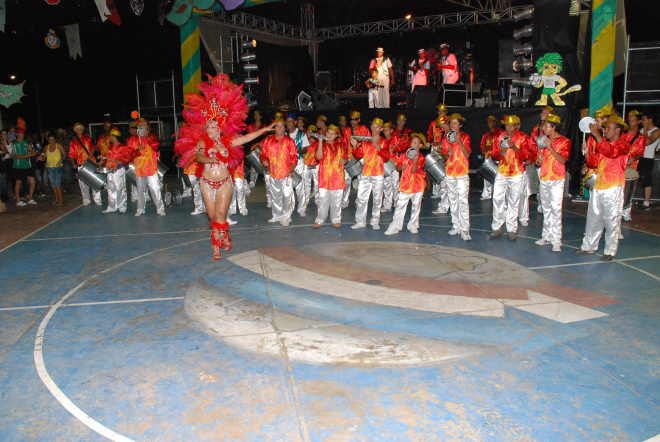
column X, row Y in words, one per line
column 548, row 108
column 616, row 119
column 634, row 113
column 377, row 121
column 552, row 118
column 312, row 128
column 400, row 117
column 600, row 113
column 511, row 119
column 322, row 117
column 336, row 129
column 388, row 124
column 491, row 117
column 421, row 137
column 442, row 119
column 355, row 114
column 342, row 118
column 458, row 117
column 442, row 106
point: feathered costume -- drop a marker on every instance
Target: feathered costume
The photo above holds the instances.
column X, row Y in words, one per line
column 222, row 101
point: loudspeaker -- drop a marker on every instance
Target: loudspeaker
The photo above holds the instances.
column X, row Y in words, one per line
column 426, row 97
column 506, row 59
column 454, row 95
column 323, row 81
column 322, row 101
column 304, row 101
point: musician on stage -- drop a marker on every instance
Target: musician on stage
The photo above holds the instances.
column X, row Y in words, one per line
column 146, row 146
column 355, row 128
column 390, row 182
column 371, row 183
column 279, row 154
column 511, row 148
column 551, row 164
column 420, row 68
column 385, row 76
column 332, row 156
column 486, row 150
column 610, row 157
column 456, row 155
column 637, row 140
column 82, row 149
column 449, row 65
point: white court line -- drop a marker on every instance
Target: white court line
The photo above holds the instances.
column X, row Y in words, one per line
column 127, row 301
column 8, row 309
column 620, row 261
column 41, row 228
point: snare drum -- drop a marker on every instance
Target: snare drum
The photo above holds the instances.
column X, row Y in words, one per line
column 488, row 170
column 435, row 167
column 89, row 175
column 632, row 178
column 533, row 181
column 130, row 175
column 389, row 167
column 353, row 167
column 253, row 159
column 591, row 181
column 295, row 179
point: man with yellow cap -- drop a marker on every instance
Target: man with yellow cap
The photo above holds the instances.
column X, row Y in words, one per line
column 511, row 149
column 311, row 170
column 117, row 157
column 610, row 157
column 551, row 163
column 634, row 135
column 437, row 129
column 299, row 137
column 371, row 183
column 354, row 129
column 82, row 149
column 322, row 124
column 390, row 182
column 536, row 133
column 456, row 154
column 145, row 146
column 486, row 149
column 332, row 156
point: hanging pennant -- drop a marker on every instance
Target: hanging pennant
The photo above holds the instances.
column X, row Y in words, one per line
column 51, row 40
column 114, row 14
column 104, row 12
column 53, row 2
column 2, row 15
column 137, row 6
column 73, row 40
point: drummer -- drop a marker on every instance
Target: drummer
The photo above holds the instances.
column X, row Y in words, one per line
column 440, row 189
column 355, row 128
column 434, row 137
column 486, row 149
column 609, row 156
column 536, row 133
column 391, row 182
column 551, row 164
column 600, row 117
column 146, row 145
column 511, row 149
column 117, row 157
column 311, row 176
column 82, row 149
column 456, row 155
column 637, row 140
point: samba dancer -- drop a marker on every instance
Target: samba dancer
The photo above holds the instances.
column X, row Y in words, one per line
column 609, row 156
column 371, row 183
column 486, row 149
column 511, row 149
column 551, row 164
column 456, row 154
column 332, row 156
column 82, row 149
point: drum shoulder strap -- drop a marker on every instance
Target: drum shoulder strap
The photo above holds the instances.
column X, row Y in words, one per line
column 83, row 145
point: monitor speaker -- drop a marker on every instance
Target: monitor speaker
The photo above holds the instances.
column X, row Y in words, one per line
column 322, row 101
column 323, row 81
column 304, row 101
column 454, row 95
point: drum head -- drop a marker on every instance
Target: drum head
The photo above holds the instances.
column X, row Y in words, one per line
column 631, row 174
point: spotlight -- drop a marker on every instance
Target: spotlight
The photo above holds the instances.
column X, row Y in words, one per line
column 251, row 81
column 250, row 67
column 252, row 104
column 519, row 100
column 523, row 50
column 521, row 65
column 248, row 57
column 527, row 31
column 408, row 17
column 521, row 82
column 249, row 44
column 524, row 14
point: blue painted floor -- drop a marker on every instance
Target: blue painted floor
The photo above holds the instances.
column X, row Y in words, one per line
column 96, row 344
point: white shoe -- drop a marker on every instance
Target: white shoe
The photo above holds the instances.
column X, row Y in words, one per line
column 161, row 213
column 358, row 226
column 556, row 247
column 244, row 213
column 285, row 223
column 375, row 226
column 231, row 222
column 122, row 211
column 465, row 236
column 439, row 211
column 453, row 232
column 389, row 232
column 435, row 197
column 484, row 198
column 186, row 194
column 269, row 205
column 138, row 213
column 524, row 223
column 344, row 206
column 539, row 209
column 85, row 203
column 98, row 203
column 34, row 202
column 620, row 235
column 195, row 212
column 384, row 210
column 274, row 220
column 133, row 200
column 302, row 214
column 23, row 203
column 108, row 211
column 413, row 230
column 542, row 242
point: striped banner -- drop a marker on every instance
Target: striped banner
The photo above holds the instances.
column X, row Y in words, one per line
column 191, row 64
column 603, row 37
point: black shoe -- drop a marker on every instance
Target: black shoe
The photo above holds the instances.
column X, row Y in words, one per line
column 643, row 207
column 583, row 252
column 607, row 258
column 512, row 237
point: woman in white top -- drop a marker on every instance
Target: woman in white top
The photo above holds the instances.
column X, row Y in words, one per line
column 645, row 167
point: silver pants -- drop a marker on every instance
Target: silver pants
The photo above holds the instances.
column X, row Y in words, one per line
column 400, row 210
column 369, row 185
column 85, row 190
column 134, row 193
column 311, row 179
column 300, row 188
column 458, row 189
column 488, row 190
column 390, row 190
column 116, row 186
column 187, row 190
column 197, row 193
column 506, row 202
column 253, row 176
column 269, row 187
column 329, row 201
column 443, row 205
column 436, row 188
column 151, row 183
column 604, row 213
column 523, row 208
column 282, row 198
column 552, row 198
column 238, row 197
column 347, row 191
column 625, row 213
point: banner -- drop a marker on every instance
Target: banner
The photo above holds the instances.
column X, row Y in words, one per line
column 73, row 40
column 2, row 15
column 603, row 37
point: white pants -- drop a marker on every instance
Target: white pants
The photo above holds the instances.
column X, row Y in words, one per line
column 384, row 91
column 311, row 179
column 282, row 198
column 443, row 205
column 369, row 185
column 187, row 190
column 134, row 193
column 488, row 190
column 269, row 187
column 85, row 190
column 300, row 188
column 329, row 201
column 373, row 97
column 197, row 193
column 523, row 208
column 347, row 191
column 390, row 189
column 400, row 210
column 458, row 189
column 506, row 202
column 552, row 199
column 151, row 183
column 238, row 197
column 253, row 176
column 604, row 213
column 116, row 186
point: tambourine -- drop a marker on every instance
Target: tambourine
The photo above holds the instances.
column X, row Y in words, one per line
column 584, row 124
column 410, row 153
column 504, row 143
column 452, row 136
column 362, row 137
column 318, row 136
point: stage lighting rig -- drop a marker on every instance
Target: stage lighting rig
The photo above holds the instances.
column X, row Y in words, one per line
column 249, row 69
column 524, row 14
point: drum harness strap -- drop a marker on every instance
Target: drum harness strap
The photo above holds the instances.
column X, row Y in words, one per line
column 83, row 146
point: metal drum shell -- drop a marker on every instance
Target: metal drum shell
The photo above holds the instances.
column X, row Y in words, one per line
column 435, row 167
column 89, row 175
column 591, row 181
column 389, row 167
column 162, row 167
column 629, row 189
column 353, row 167
column 295, row 179
column 130, row 175
column 533, row 181
column 253, row 159
column 488, row 170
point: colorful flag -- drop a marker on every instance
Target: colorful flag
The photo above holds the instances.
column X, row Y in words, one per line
column 73, row 40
